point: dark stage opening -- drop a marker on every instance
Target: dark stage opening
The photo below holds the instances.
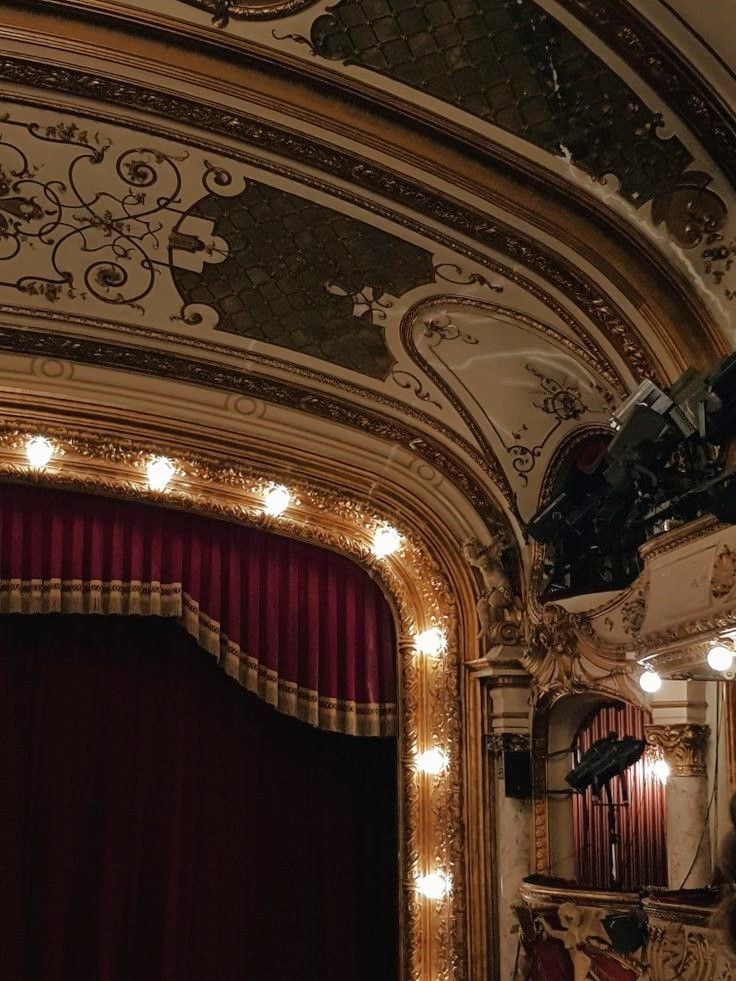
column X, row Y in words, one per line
column 159, row 823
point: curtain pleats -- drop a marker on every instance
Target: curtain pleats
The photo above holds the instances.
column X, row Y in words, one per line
column 640, row 825
column 305, row 629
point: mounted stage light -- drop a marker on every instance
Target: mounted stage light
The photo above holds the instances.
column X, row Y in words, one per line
column 607, row 758
column 436, row 885
column 720, row 658
column 276, row 500
column 650, row 681
column 39, row 451
column 386, row 541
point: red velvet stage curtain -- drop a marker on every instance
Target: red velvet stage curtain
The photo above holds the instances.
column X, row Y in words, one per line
column 302, row 627
column 641, row 825
column 157, row 823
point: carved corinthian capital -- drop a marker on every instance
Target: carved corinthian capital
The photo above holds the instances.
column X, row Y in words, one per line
column 682, row 745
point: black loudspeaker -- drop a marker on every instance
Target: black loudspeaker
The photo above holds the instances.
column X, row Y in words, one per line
column 517, row 771
column 627, row 932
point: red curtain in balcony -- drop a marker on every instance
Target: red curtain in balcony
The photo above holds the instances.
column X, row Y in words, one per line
column 305, row 629
column 641, row 825
column 157, row 823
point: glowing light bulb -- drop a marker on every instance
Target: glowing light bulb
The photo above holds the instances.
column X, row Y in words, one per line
column 385, row 541
column 430, row 642
column 160, row 470
column 650, row 681
column 39, row 451
column 276, row 500
column 661, row 770
column 720, row 658
column 432, row 761
column 436, row 885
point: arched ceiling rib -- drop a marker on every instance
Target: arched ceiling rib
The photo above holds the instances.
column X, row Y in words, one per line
column 471, row 253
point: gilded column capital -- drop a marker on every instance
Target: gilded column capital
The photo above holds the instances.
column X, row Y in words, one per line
column 508, row 742
column 682, row 745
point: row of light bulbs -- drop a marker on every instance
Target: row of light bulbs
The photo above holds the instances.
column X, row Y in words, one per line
column 719, row 658
column 160, row 471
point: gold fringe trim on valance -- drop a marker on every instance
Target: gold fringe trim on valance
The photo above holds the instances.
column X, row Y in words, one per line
column 168, row 600
column 95, row 596
column 333, row 714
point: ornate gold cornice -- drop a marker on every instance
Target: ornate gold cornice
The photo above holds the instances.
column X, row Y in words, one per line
column 683, row 746
column 537, row 894
column 198, row 371
column 683, row 535
column 223, row 10
column 692, row 632
column 269, row 362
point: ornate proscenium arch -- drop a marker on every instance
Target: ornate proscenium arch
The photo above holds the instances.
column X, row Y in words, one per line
column 421, row 593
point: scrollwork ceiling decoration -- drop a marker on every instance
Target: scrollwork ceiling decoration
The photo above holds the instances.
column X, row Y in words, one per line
column 490, row 363
column 627, row 32
column 624, row 28
column 303, row 276
column 457, row 218
column 166, row 241
column 511, row 64
column 99, row 226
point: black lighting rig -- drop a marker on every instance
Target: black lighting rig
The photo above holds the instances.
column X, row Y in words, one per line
column 670, row 458
column 608, row 758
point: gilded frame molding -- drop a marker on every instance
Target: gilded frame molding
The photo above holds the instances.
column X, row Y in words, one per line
column 222, row 10
column 422, row 591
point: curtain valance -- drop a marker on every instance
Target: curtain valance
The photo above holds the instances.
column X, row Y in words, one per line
column 304, row 628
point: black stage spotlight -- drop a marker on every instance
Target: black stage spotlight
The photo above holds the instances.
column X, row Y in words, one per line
column 606, row 758
column 671, row 458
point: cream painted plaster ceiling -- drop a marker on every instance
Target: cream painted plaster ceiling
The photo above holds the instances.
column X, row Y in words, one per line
column 467, row 228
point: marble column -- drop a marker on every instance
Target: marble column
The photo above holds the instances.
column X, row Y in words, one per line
column 508, row 732
column 683, row 747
